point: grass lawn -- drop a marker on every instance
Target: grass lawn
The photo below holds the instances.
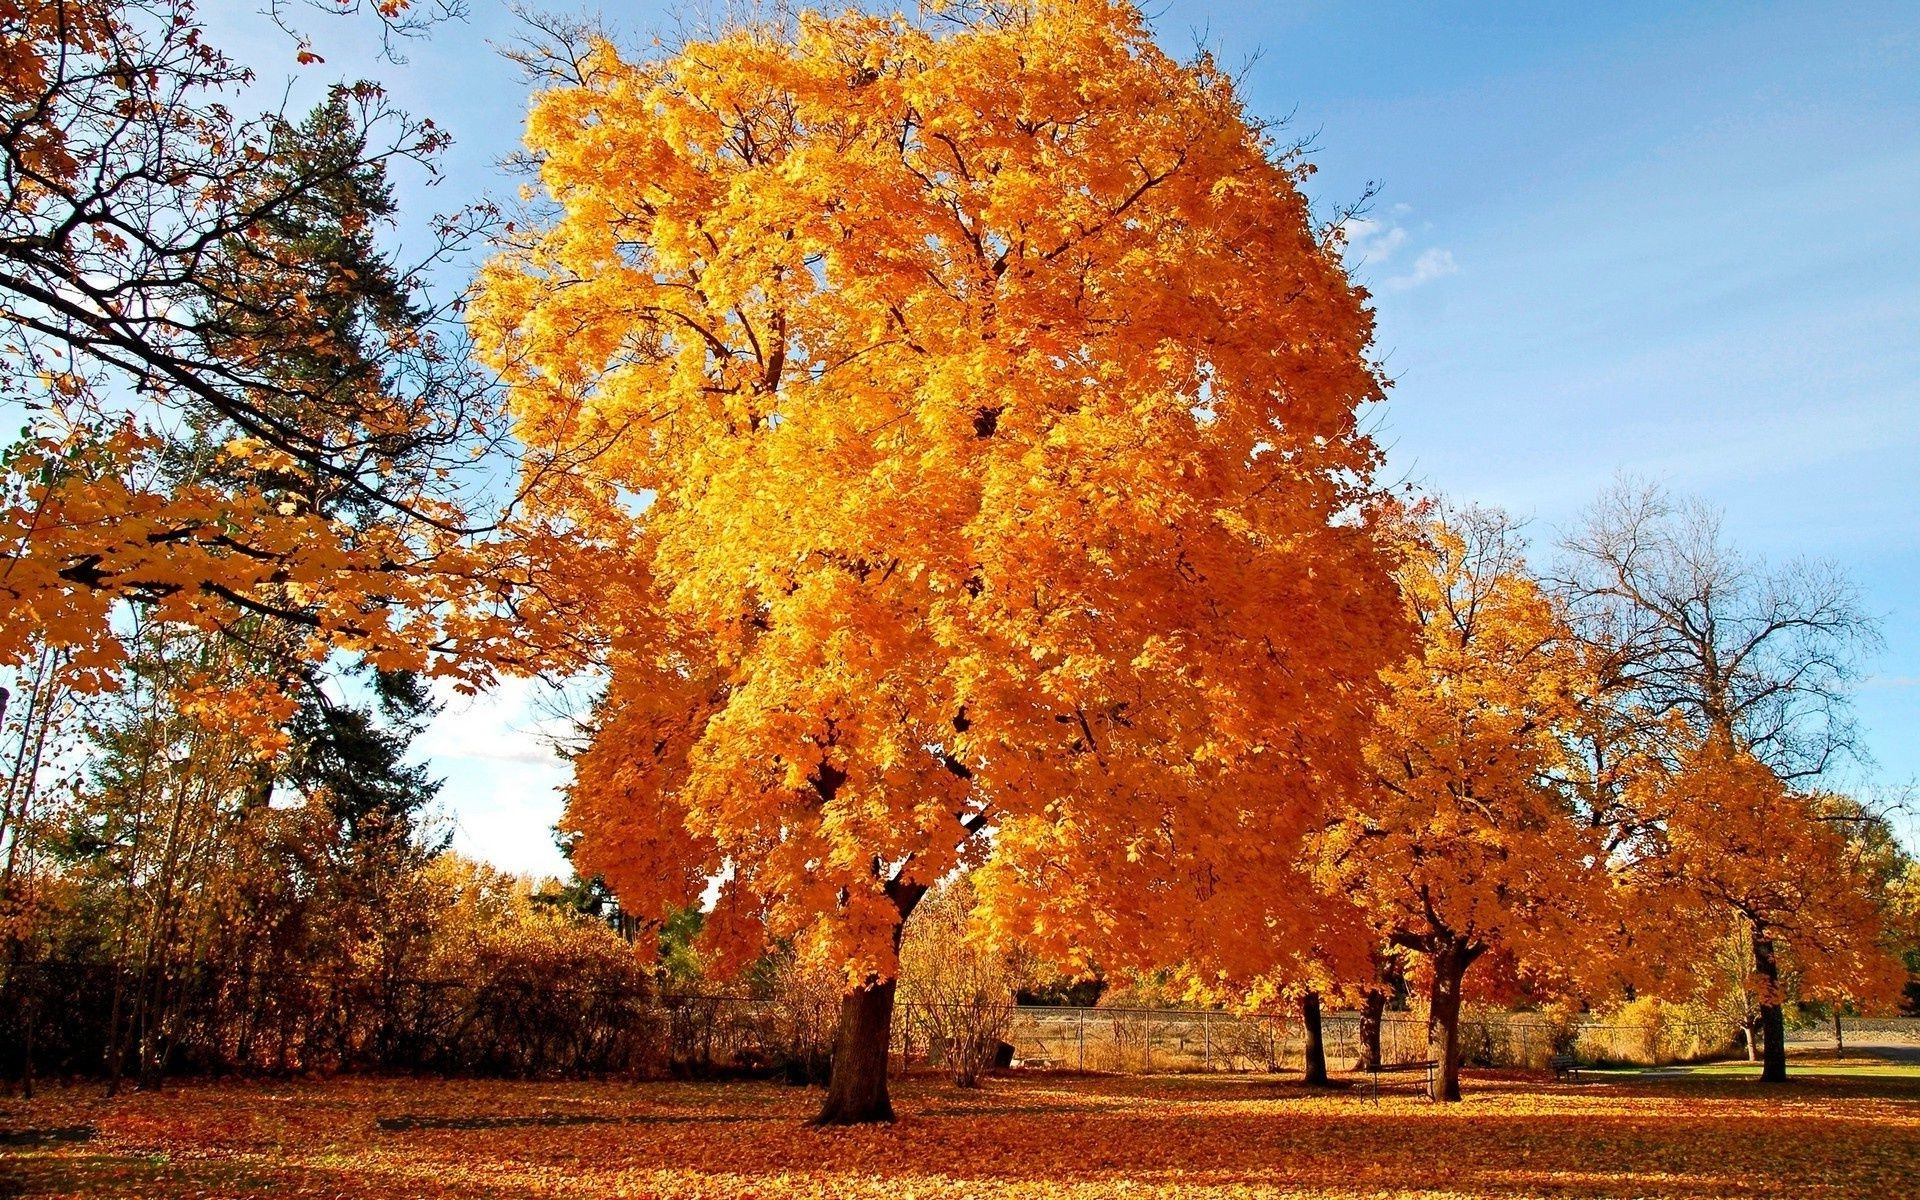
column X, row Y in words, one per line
column 1186, row 1137
column 1823, row 1063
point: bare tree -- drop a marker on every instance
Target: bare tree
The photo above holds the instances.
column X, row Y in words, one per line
column 1688, row 625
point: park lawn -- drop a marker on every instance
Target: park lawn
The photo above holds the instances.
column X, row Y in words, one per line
column 1821, row 1063
column 1080, row 1137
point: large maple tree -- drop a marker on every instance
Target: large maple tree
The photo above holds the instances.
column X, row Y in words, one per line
column 957, row 423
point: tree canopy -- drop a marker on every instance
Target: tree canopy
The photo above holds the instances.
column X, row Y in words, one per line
column 962, row 421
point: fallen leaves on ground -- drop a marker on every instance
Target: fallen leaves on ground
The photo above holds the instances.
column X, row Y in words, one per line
column 1089, row 1137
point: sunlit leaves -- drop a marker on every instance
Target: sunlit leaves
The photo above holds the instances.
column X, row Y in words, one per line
column 994, row 402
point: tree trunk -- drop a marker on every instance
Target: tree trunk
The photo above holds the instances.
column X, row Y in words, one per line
column 1450, row 962
column 116, row 1051
column 1372, row 1015
column 1315, row 1051
column 1773, row 1023
column 857, row 1088
column 857, row 1078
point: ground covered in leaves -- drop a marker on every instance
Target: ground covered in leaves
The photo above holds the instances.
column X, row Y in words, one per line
column 1036, row 1136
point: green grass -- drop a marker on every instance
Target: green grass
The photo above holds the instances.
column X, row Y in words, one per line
column 1823, row 1064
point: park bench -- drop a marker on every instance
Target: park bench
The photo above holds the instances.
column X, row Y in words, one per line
column 1565, row 1067
column 1427, row 1067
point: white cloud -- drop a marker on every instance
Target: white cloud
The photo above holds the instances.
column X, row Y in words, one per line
column 1431, row 265
column 1369, row 242
column 503, row 778
column 501, row 725
column 506, row 818
column 1372, row 243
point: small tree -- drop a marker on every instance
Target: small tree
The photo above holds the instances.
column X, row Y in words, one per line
column 1461, row 843
column 1717, row 671
column 1809, row 892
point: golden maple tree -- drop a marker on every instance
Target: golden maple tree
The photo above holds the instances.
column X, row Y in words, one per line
column 957, row 421
column 1460, row 843
column 1812, row 887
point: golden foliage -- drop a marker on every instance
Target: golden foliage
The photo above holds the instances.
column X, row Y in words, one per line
column 1461, row 839
column 957, row 424
column 236, row 403
column 1795, row 867
column 956, row 986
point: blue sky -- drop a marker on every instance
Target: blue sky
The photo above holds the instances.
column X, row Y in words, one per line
column 1681, row 241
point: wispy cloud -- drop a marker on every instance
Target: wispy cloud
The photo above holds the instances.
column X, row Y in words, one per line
column 501, row 725
column 1431, row 265
column 1369, row 242
column 1375, row 244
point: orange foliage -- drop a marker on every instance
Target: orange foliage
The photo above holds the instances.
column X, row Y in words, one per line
column 1459, row 843
column 961, row 426
column 1738, row 837
column 329, row 504
column 86, row 525
column 1461, row 840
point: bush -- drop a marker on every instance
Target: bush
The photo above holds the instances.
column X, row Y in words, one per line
column 957, row 990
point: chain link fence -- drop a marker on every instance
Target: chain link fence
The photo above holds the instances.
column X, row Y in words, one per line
column 1842, row 1032
column 1149, row 1040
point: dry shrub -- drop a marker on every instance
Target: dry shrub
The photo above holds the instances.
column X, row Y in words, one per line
column 957, row 987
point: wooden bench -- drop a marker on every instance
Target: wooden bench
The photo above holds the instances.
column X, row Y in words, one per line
column 1428, row 1066
column 1565, row 1067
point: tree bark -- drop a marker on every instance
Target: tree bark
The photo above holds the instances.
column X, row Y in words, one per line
column 1372, row 1015
column 1773, row 1023
column 1450, row 962
column 1316, row 1046
column 857, row 1088
column 857, row 1078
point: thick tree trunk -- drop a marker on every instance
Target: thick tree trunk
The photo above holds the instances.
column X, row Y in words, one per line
column 857, row 1078
column 1450, row 962
column 857, row 1088
column 1372, row 1015
column 1773, row 1023
column 1315, row 1050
